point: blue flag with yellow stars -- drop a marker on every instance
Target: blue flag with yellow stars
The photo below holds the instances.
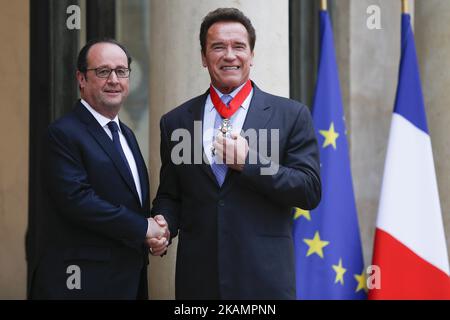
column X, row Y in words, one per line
column 329, row 261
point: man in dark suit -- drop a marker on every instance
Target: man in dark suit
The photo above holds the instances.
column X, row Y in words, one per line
column 93, row 239
column 232, row 209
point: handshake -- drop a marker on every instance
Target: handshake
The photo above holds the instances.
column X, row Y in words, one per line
column 158, row 235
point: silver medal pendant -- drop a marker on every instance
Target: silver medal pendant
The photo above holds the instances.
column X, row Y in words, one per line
column 225, row 129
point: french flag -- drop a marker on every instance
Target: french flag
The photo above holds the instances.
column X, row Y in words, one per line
column 410, row 247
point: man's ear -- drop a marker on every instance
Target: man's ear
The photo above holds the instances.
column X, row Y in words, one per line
column 204, row 60
column 81, row 78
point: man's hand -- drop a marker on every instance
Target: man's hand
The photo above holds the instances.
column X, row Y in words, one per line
column 232, row 151
column 158, row 235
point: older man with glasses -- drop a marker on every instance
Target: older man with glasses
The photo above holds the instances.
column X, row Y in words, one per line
column 93, row 239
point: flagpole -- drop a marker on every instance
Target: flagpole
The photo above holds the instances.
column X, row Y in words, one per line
column 404, row 6
column 323, row 5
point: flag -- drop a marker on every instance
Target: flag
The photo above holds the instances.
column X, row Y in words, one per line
column 409, row 247
column 329, row 262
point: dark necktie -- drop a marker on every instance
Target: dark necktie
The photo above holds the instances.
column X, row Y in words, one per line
column 116, row 140
column 220, row 169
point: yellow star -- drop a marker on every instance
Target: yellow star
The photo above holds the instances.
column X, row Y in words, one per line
column 361, row 279
column 340, row 270
column 300, row 212
column 330, row 136
column 315, row 245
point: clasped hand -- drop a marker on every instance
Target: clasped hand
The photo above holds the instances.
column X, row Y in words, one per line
column 158, row 235
column 231, row 151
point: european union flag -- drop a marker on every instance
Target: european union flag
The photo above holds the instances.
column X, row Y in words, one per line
column 329, row 262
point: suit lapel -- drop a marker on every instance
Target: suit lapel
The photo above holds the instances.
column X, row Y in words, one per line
column 259, row 111
column 107, row 145
column 197, row 109
column 140, row 163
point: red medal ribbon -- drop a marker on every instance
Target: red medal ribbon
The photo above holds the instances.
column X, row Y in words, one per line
column 235, row 103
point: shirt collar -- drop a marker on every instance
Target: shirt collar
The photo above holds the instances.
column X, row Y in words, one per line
column 233, row 94
column 101, row 119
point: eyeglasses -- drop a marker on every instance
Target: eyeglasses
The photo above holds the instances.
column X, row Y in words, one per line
column 106, row 72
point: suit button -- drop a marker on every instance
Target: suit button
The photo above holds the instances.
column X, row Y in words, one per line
column 221, row 203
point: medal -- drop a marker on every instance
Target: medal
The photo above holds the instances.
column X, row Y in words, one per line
column 225, row 128
column 227, row 111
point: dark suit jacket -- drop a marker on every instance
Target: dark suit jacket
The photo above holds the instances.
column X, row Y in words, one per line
column 93, row 219
column 235, row 241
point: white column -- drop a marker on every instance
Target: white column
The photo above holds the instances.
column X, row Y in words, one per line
column 368, row 62
column 176, row 75
column 433, row 51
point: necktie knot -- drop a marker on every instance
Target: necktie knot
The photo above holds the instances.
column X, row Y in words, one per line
column 226, row 98
column 113, row 126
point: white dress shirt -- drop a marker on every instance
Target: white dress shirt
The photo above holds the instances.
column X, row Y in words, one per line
column 103, row 121
column 209, row 117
